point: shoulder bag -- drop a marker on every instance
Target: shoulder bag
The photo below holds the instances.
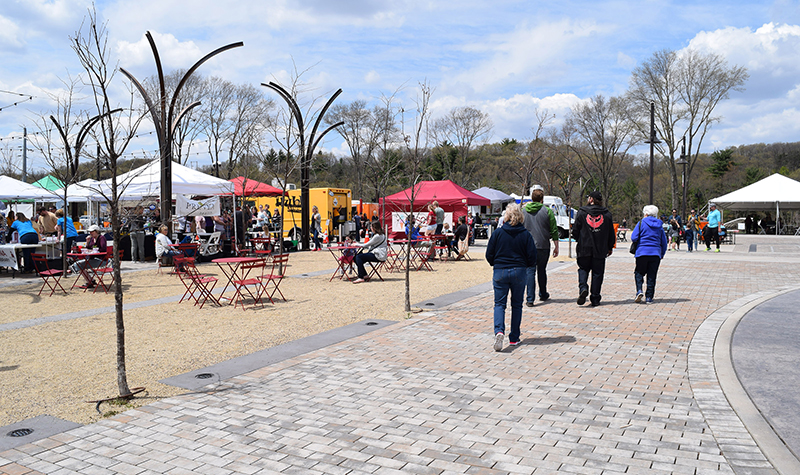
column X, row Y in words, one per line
column 635, row 242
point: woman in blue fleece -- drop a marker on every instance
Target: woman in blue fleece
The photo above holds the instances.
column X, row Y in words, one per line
column 510, row 251
column 651, row 249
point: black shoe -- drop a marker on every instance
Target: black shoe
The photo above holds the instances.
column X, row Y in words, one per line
column 529, row 304
column 544, row 297
column 595, row 304
column 582, row 297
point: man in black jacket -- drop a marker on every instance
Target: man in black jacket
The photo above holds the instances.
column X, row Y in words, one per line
column 594, row 233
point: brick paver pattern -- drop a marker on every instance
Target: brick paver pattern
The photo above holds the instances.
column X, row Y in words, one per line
column 601, row 390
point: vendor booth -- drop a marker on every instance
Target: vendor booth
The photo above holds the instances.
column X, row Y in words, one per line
column 774, row 193
column 498, row 200
column 453, row 199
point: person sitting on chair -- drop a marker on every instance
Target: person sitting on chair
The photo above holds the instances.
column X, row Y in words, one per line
column 377, row 250
column 163, row 243
column 96, row 243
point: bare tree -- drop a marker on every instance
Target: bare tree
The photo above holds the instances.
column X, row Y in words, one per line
column 114, row 133
column 464, row 127
column 386, row 159
column 601, row 133
column 685, row 87
column 416, row 150
column 529, row 155
column 358, row 132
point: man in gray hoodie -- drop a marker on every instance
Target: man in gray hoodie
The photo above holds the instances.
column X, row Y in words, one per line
column 541, row 223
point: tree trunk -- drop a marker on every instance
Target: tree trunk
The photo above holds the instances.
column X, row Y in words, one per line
column 122, row 375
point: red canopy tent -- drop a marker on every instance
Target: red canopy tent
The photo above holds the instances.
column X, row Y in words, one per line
column 249, row 187
column 451, row 197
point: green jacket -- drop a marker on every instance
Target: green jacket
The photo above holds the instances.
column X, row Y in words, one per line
column 533, row 207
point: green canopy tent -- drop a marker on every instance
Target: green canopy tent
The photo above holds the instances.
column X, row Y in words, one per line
column 49, row 183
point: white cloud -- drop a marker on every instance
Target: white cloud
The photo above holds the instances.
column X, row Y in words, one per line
column 9, row 34
column 528, row 55
column 372, row 77
column 174, row 54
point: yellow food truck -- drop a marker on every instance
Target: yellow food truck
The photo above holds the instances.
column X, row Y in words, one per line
column 334, row 206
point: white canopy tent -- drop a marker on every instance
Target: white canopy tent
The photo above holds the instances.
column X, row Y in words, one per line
column 775, row 192
column 12, row 189
column 146, row 181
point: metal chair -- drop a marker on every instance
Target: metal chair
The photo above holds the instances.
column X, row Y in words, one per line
column 275, row 277
column 51, row 277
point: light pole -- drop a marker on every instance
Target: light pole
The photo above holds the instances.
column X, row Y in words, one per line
column 683, row 162
column 652, row 141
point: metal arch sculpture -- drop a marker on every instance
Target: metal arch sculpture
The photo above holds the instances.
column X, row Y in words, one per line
column 306, row 153
column 166, row 122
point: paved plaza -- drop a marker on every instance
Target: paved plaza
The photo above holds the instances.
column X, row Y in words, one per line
column 619, row 388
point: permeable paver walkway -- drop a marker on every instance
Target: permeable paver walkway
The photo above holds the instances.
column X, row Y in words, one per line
column 600, row 390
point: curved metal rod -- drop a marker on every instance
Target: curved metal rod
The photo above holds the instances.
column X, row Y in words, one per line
column 147, row 100
column 323, row 135
column 191, row 70
column 295, row 110
column 180, row 116
column 321, row 115
column 160, row 70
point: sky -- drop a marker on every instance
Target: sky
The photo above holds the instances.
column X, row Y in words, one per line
column 506, row 58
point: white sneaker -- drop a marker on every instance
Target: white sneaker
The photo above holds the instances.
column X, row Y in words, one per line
column 498, row 342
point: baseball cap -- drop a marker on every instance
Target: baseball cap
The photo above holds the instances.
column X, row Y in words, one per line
column 94, row 227
column 712, row 204
column 595, row 195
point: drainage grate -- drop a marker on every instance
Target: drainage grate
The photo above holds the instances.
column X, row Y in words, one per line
column 371, row 323
column 20, row 432
column 430, row 304
column 204, row 375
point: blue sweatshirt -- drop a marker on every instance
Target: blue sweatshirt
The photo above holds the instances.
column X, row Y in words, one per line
column 651, row 236
column 511, row 246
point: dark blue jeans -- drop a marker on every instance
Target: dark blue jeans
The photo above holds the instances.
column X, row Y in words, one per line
column 646, row 265
column 28, row 238
column 503, row 280
column 540, row 272
column 317, row 244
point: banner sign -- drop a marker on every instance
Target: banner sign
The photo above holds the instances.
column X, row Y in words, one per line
column 8, row 257
column 184, row 206
column 420, row 220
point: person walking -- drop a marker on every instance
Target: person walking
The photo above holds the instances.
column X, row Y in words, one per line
column 137, row 222
column 316, row 227
column 439, row 212
column 540, row 221
column 510, row 251
column 713, row 227
column 649, row 252
column 594, row 233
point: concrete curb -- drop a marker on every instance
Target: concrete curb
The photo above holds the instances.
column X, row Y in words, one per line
column 744, row 436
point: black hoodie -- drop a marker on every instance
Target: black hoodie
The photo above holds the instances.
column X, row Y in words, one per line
column 511, row 246
column 594, row 231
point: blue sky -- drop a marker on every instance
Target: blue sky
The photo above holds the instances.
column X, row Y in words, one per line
column 505, row 57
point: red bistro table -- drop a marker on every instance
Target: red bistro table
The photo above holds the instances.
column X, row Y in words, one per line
column 86, row 272
column 230, row 267
column 342, row 264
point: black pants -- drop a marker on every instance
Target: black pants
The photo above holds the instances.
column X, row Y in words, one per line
column 646, row 265
column 542, row 257
column 711, row 234
column 597, row 266
column 360, row 259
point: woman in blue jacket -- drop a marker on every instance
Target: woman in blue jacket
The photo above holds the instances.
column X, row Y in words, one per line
column 649, row 252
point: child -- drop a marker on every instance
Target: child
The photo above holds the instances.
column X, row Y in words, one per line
column 348, row 255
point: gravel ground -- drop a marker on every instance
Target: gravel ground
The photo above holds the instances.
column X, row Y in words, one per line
column 54, row 368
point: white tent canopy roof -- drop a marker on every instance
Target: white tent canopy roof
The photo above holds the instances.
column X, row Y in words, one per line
column 773, row 192
column 12, row 189
column 146, row 181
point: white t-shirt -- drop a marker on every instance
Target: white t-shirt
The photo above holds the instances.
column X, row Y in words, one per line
column 162, row 244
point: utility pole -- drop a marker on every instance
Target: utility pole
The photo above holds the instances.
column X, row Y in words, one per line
column 25, row 154
column 653, row 141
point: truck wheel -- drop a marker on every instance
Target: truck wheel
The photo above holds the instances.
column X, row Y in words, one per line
column 562, row 233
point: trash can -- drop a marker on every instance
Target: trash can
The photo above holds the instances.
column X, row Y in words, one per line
column 348, row 228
